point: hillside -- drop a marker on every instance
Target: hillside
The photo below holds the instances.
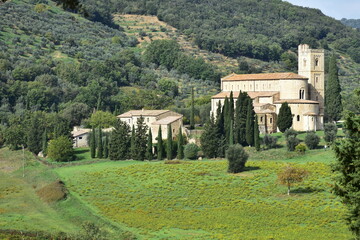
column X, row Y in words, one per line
column 354, row 23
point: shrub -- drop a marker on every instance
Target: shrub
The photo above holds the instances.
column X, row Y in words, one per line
column 291, row 175
column 270, row 141
column 290, row 132
column 300, row 148
column 292, row 142
column 330, row 131
column 61, row 149
column 191, row 151
column 237, row 158
column 312, row 140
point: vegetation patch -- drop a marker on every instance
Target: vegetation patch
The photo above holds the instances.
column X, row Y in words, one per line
column 52, row 192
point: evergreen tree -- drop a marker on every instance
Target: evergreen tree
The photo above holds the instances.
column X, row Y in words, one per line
column 256, row 134
column 169, row 148
column 180, row 148
column 250, row 118
column 227, row 119
column 100, row 149
column 220, row 132
column 119, row 141
column 140, row 139
column 35, row 133
column 192, row 113
column 92, row 144
column 210, row 139
column 231, row 106
column 106, row 147
column 284, row 120
column 149, row 147
column 132, row 144
column 241, row 116
column 44, row 142
column 237, row 119
column 333, row 102
column 160, row 148
column 231, row 134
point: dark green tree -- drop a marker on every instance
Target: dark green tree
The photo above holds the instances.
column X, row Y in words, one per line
column 333, row 102
column 231, row 106
column 35, row 133
column 169, row 148
column 250, row 119
column 61, row 149
column 237, row 158
column 227, row 119
column 100, row 146
column 119, row 141
column 284, row 120
column 220, row 129
column 160, row 147
column 149, row 147
column 132, row 144
column 180, row 148
column 330, row 132
column 106, row 147
column 256, row 134
column 231, row 134
column 240, row 118
column 140, row 139
column 92, row 144
column 44, row 142
column 192, row 113
column 312, row 140
column 209, row 139
column 348, row 167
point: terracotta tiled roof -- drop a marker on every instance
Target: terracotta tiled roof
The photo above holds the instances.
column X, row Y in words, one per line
column 251, row 94
column 263, row 76
column 295, row 101
column 142, row 113
column 264, row 111
column 167, row 120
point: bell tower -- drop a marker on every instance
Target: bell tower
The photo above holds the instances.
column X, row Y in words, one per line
column 312, row 65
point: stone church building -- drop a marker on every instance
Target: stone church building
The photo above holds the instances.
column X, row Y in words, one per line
column 304, row 92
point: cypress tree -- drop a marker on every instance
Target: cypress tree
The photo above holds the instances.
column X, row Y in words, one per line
column 237, row 119
column 92, row 144
column 149, row 147
column 256, row 134
column 210, row 139
column 243, row 118
column 284, row 120
column 333, row 102
column 227, row 118
column 180, row 148
column 169, row 147
column 250, row 118
column 120, row 141
column 35, row 133
column 100, row 145
column 220, row 132
column 132, row 144
column 44, row 142
column 231, row 106
column 231, row 134
column 106, row 147
column 160, row 151
column 140, row 139
column 192, row 113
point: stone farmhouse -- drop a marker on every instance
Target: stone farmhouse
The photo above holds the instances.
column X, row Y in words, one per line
column 154, row 119
column 304, row 92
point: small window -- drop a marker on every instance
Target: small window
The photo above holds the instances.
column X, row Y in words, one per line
column 298, row 118
column 316, row 62
column 129, row 120
column 312, row 119
column 261, row 119
column 147, row 119
column 80, row 138
column 317, row 98
column 270, row 120
column 317, row 79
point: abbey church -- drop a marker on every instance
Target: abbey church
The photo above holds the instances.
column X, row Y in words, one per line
column 304, row 92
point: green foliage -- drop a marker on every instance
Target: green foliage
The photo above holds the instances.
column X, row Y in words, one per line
column 168, row 87
column 169, row 144
column 241, row 118
column 192, row 113
column 250, row 118
column 270, row 141
column 292, row 142
column 290, row 132
column 284, row 120
column 300, row 148
column 35, row 132
column 92, row 143
column 132, row 143
column 61, row 149
column 100, row 144
column 312, row 140
column 291, row 175
column 44, row 142
column 106, row 147
column 348, row 169
column 160, row 147
column 191, row 151
column 140, row 139
column 102, row 119
column 92, row 231
column 210, row 139
column 256, row 134
column 330, row 131
column 333, row 102
column 180, row 148
column 119, row 141
column 162, row 52
column 237, row 158
column 149, row 147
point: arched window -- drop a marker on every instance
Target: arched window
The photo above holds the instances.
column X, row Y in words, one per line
column 270, row 120
column 316, row 62
column 301, row 94
column 298, row 118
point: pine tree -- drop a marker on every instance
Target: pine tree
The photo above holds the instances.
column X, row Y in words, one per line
column 44, row 142
column 160, row 148
column 106, row 147
column 100, row 150
column 192, row 113
column 250, row 118
column 333, row 102
column 141, row 139
column 92, row 144
column 149, row 147
column 120, row 141
column 210, row 139
column 284, row 120
column 256, row 134
column 169, row 148
column 132, row 144
column 180, row 148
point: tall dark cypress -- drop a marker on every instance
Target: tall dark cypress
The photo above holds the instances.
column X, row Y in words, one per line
column 160, row 147
column 180, row 148
column 227, row 118
column 120, row 141
column 106, row 147
column 44, row 142
column 243, row 117
column 231, row 107
column 333, row 101
column 250, row 118
column 35, row 133
column 237, row 119
column 132, row 144
column 256, row 134
column 192, row 113
column 284, row 120
column 92, row 144
column 149, row 147
column 220, row 127
column 231, row 134
column 100, row 150
column 169, row 148
column 210, row 139
column 140, row 139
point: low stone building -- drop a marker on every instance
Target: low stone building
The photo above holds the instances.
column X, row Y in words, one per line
column 80, row 137
column 154, row 119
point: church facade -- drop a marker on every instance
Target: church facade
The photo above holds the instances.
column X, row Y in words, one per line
column 304, row 92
